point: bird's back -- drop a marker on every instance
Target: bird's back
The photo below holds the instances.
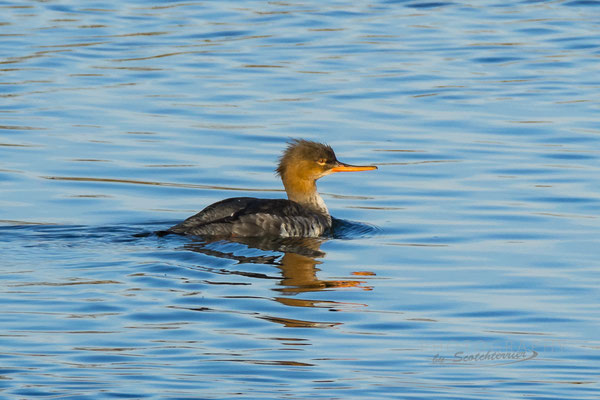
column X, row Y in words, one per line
column 251, row 217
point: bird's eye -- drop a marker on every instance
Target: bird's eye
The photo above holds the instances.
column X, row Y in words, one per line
column 321, row 161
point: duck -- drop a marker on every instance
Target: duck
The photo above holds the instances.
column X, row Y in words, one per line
column 302, row 214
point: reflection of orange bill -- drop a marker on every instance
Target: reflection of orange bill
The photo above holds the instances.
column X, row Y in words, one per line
column 340, row 284
column 341, row 167
column 364, row 273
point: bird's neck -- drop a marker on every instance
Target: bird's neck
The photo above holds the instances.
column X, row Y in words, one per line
column 304, row 192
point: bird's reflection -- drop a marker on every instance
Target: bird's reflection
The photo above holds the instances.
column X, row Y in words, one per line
column 297, row 259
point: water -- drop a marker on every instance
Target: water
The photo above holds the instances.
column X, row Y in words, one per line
column 475, row 274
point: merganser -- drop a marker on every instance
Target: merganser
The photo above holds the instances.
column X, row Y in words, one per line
column 304, row 214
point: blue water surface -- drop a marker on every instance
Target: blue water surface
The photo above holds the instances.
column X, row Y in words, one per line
column 466, row 267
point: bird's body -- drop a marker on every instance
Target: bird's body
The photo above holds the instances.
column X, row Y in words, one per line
column 250, row 217
column 303, row 214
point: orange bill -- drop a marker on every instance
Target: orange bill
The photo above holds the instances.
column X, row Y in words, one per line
column 341, row 167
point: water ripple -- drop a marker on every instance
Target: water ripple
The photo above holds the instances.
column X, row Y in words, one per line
column 475, row 239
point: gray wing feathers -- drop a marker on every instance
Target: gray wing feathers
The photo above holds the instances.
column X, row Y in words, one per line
column 212, row 214
column 247, row 217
